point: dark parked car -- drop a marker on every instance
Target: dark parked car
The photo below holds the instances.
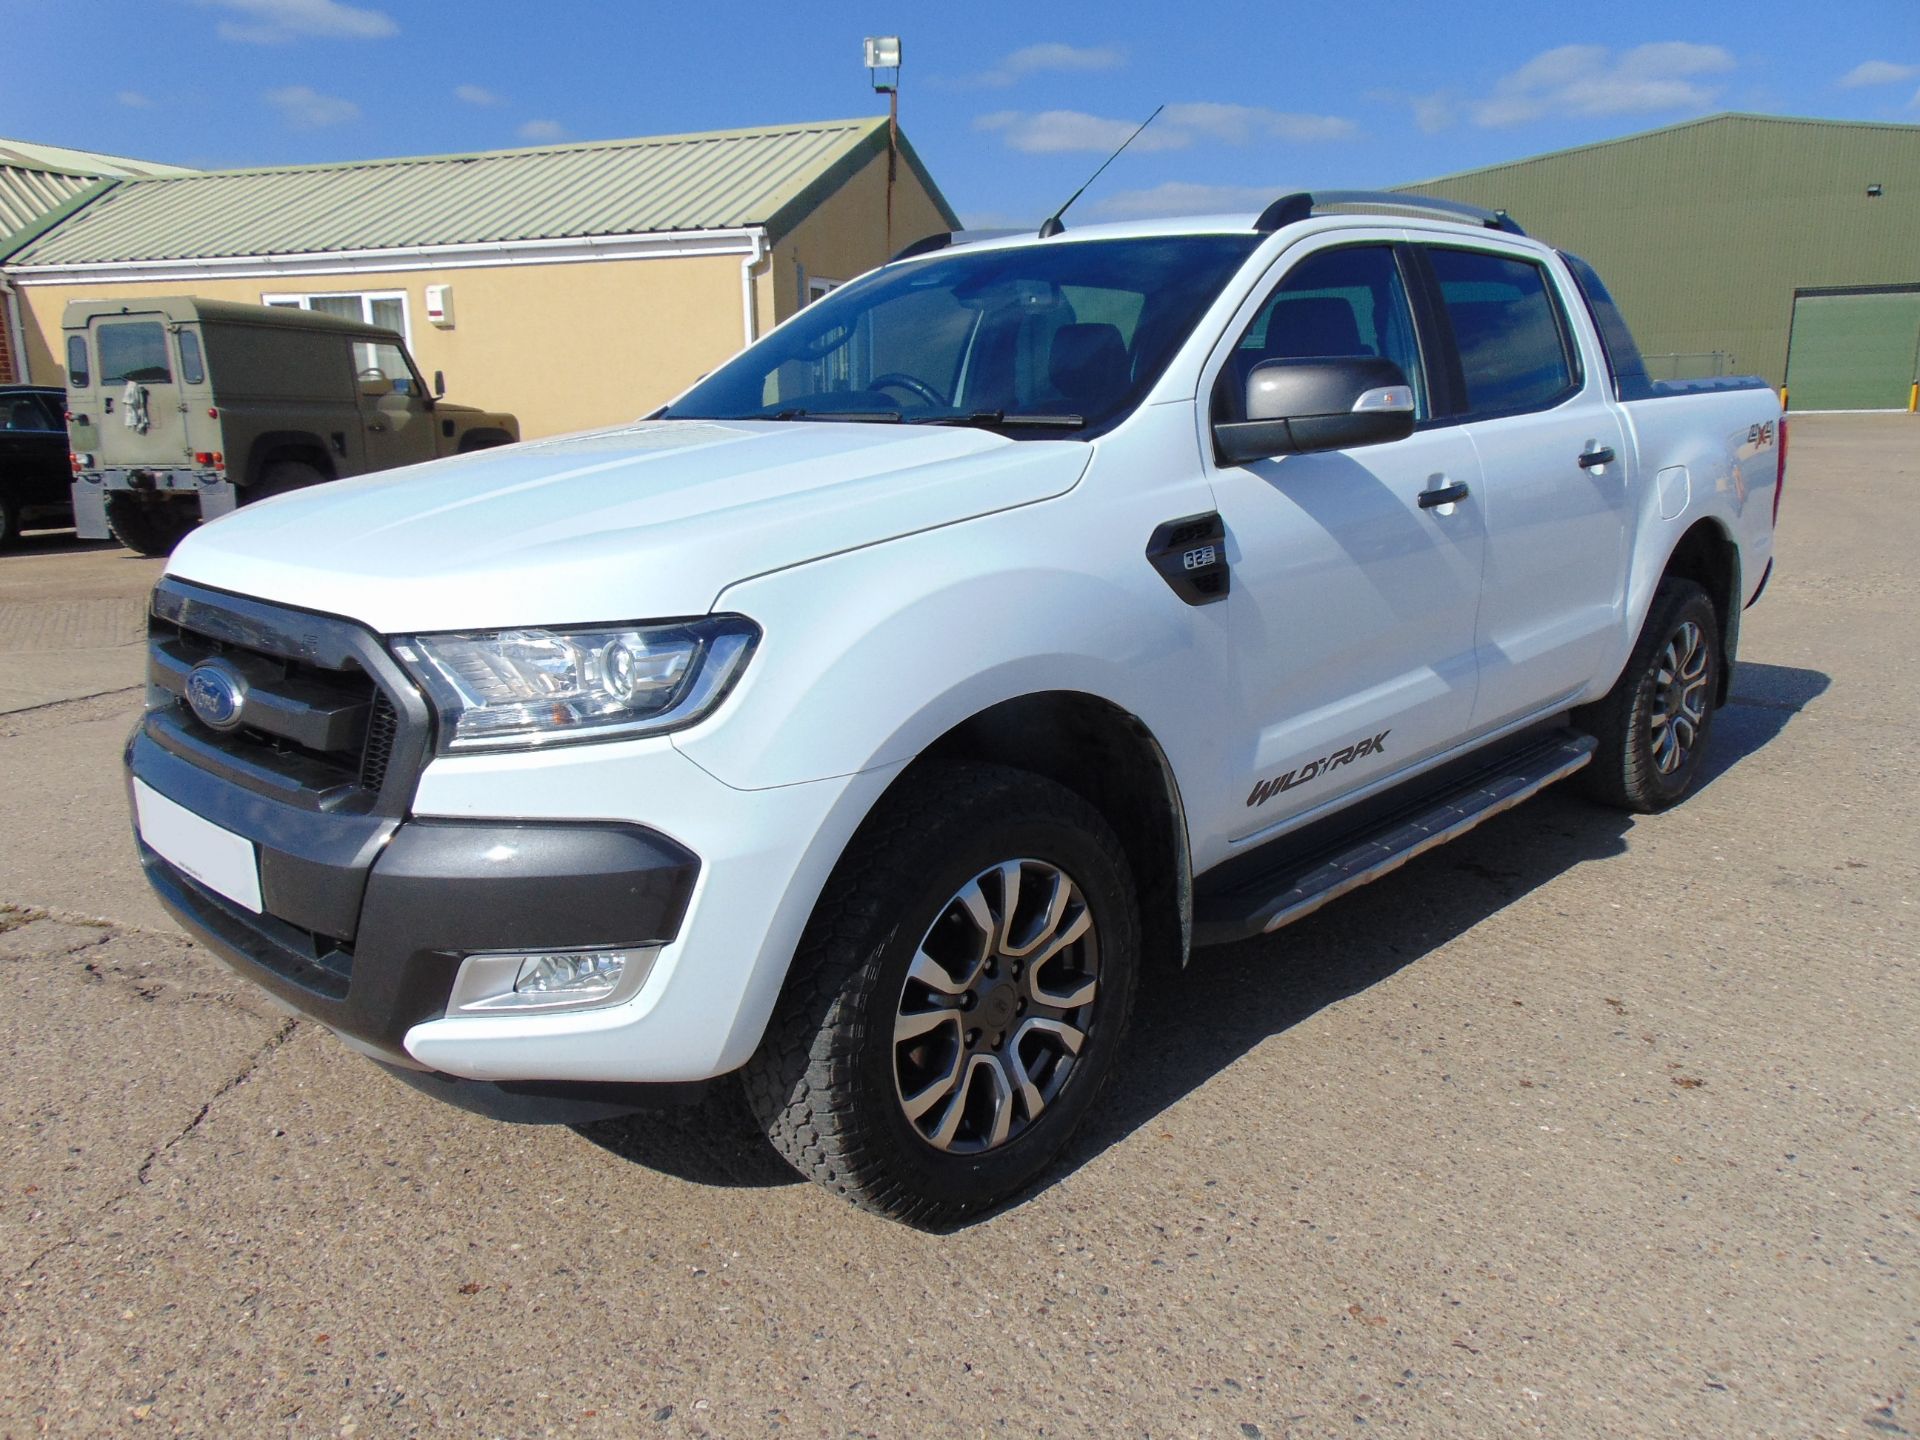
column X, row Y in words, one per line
column 36, row 479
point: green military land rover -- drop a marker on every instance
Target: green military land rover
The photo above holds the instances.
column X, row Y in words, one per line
column 180, row 409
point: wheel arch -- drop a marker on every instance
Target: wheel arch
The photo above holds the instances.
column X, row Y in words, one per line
column 1111, row 759
column 1708, row 555
column 299, row 445
column 485, row 437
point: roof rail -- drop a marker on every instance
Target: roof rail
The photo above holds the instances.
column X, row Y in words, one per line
column 1289, row 209
column 941, row 239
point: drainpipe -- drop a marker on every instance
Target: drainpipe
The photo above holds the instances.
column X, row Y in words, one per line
column 16, row 338
column 750, row 311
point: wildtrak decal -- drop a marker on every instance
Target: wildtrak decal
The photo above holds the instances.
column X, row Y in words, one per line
column 1314, row 769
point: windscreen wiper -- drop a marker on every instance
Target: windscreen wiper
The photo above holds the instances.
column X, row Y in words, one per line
column 869, row 417
column 1001, row 417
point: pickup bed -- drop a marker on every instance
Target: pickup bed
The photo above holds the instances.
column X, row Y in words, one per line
column 1023, row 614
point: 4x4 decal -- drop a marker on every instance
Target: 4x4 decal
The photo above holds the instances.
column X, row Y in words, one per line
column 1314, row 769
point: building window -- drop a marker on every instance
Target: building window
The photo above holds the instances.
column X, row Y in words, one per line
column 816, row 287
column 385, row 308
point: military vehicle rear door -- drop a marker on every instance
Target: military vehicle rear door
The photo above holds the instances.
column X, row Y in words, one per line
column 395, row 415
column 138, row 384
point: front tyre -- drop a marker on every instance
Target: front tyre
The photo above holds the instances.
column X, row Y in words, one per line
column 1653, row 725
column 958, row 999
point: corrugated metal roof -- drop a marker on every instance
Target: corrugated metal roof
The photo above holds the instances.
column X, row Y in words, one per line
column 37, row 179
column 716, row 180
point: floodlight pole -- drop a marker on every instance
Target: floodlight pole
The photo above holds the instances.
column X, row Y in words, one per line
column 883, row 53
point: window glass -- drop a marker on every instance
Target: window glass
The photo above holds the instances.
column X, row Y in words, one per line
column 384, row 362
column 24, row 412
column 1508, row 330
column 134, row 350
column 1079, row 329
column 78, row 377
column 1349, row 301
column 1630, row 378
column 192, row 370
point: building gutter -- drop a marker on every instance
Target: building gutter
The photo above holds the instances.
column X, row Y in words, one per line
column 750, row 310
column 650, row 245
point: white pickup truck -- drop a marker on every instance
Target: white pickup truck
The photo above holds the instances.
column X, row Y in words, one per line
column 1030, row 611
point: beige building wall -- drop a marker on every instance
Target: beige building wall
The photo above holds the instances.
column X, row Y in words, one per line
column 846, row 236
column 562, row 346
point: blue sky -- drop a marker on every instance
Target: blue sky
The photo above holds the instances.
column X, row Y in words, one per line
column 1011, row 105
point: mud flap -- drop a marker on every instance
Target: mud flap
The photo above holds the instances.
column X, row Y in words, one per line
column 217, row 499
column 90, row 510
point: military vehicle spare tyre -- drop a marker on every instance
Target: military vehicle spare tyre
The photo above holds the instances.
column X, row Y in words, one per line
column 150, row 527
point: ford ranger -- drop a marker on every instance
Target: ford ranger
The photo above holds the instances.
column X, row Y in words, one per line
column 1027, row 612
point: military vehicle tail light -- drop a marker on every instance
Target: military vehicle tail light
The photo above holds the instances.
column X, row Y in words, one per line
column 203, row 457
column 213, row 413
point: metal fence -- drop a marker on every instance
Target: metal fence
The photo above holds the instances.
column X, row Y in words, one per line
column 1690, row 364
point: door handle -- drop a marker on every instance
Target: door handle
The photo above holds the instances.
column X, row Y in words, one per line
column 375, row 425
column 1445, row 495
column 1592, row 459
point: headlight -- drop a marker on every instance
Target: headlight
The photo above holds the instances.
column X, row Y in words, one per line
column 515, row 688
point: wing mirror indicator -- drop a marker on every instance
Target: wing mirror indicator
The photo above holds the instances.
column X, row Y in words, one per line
column 1298, row 406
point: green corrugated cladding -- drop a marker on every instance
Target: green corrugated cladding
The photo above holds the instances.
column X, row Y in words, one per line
column 1704, row 231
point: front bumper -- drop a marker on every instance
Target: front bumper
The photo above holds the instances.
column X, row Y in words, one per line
column 366, row 919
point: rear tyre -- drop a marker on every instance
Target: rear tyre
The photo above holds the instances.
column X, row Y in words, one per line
column 150, row 527
column 1654, row 724
column 958, row 999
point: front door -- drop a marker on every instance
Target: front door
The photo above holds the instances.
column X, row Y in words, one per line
column 1353, row 603
column 395, row 416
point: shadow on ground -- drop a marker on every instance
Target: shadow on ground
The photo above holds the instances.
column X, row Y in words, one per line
column 57, row 542
column 1231, row 999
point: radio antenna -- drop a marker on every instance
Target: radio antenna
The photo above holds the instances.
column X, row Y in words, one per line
column 1052, row 225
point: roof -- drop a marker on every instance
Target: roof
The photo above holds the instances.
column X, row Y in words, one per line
column 225, row 312
column 769, row 176
column 36, row 180
column 1724, row 118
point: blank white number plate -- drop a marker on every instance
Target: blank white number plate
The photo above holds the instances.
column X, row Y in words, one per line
column 216, row 857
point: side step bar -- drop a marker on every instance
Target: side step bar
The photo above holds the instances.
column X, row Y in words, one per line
column 1293, row 890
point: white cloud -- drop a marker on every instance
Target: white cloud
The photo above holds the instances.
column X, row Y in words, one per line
column 134, row 100
column 1180, row 197
column 305, row 108
column 1878, row 72
column 1048, row 132
column 477, row 95
column 1036, row 59
column 1593, row 80
column 543, row 130
column 273, row 22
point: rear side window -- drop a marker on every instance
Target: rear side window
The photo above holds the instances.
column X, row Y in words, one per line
column 1630, row 378
column 79, row 376
column 134, row 350
column 1508, row 329
column 192, row 369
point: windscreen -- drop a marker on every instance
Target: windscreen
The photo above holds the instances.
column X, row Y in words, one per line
column 1062, row 338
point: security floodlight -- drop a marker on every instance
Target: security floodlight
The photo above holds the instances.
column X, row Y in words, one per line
column 883, row 53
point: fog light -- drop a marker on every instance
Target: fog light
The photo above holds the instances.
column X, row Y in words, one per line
column 592, row 975
column 549, row 979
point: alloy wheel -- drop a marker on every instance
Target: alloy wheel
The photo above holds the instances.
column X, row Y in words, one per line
column 1679, row 697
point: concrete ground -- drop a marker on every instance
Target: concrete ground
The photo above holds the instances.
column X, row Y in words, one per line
column 1584, row 1125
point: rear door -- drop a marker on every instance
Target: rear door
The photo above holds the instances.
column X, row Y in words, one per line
column 140, row 419
column 1557, row 479
column 1352, row 604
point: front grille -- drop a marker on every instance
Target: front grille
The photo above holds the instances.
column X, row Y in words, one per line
column 320, row 724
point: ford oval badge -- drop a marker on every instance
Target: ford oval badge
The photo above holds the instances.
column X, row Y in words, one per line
column 215, row 694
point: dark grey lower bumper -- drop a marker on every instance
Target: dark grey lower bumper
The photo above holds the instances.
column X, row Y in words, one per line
column 401, row 903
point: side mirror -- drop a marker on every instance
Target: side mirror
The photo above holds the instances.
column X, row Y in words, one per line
column 439, row 384
column 1295, row 406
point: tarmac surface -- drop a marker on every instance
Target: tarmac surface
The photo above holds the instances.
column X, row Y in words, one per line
column 1583, row 1125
